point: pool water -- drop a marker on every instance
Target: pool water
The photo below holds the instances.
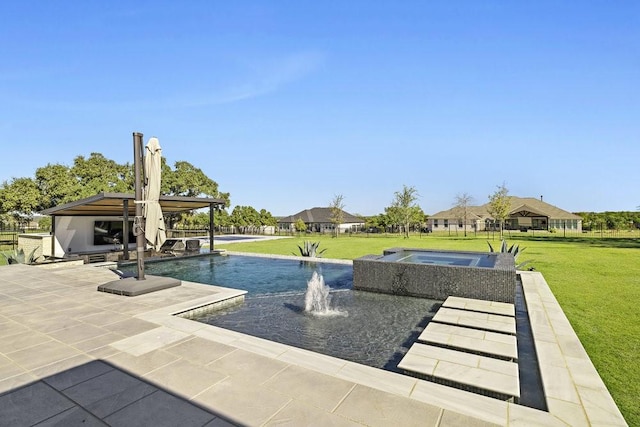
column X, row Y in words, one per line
column 461, row 259
column 369, row 328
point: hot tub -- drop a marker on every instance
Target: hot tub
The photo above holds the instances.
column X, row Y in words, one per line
column 438, row 274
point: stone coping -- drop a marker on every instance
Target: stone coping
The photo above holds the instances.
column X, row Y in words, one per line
column 574, row 391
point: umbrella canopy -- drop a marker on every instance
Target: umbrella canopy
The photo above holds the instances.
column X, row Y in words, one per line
column 154, row 230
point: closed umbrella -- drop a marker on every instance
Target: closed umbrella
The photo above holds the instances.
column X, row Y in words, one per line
column 154, row 230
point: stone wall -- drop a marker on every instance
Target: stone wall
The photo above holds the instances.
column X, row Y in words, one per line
column 39, row 242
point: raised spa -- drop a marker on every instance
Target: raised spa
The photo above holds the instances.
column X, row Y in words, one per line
column 438, row 274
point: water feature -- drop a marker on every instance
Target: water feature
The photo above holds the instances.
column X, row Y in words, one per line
column 318, row 298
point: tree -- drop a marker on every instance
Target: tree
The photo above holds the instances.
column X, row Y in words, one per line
column 19, row 199
column 221, row 218
column 421, row 219
column 376, row 223
column 266, row 219
column 245, row 218
column 98, row 174
column 590, row 220
column 403, row 210
column 57, row 185
column 45, row 223
column 198, row 220
column 188, row 180
column 300, row 226
column 462, row 203
column 337, row 212
column 500, row 205
column 616, row 221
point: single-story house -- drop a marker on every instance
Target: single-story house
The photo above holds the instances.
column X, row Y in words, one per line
column 104, row 223
column 319, row 220
column 525, row 213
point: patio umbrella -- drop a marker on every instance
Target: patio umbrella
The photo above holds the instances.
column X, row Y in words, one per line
column 154, row 230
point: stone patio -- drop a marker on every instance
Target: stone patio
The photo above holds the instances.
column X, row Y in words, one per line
column 71, row 355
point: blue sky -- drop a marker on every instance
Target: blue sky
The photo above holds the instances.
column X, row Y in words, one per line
column 287, row 103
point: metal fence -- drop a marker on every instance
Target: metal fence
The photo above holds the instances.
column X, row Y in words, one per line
column 596, row 233
column 178, row 233
column 9, row 238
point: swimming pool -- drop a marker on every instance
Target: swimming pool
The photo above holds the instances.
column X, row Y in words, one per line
column 373, row 329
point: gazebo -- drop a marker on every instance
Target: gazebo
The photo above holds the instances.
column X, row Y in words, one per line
column 122, row 205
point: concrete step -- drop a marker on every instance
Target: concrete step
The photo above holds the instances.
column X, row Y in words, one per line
column 497, row 378
column 472, row 340
column 473, row 319
column 483, row 306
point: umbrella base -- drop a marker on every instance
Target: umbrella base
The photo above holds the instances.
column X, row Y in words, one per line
column 132, row 287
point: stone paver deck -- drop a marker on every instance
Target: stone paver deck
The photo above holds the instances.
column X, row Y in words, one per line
column 476, row 372
column 72, row 355
column 473, row 319
column 474, row 340
column 483, row 306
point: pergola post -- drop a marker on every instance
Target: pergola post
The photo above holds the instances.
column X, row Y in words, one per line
column 53, row 236
column 125, row 229
column 211, row 226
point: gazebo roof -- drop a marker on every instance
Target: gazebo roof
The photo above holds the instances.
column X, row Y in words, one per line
column 112, row 204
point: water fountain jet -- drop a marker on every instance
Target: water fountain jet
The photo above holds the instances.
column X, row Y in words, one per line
column 317, row 298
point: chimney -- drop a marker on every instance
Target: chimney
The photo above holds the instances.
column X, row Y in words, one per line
column 541, row 198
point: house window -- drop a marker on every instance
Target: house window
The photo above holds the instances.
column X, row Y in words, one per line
column 459, row 223
column 435, row 223
column 446, row 223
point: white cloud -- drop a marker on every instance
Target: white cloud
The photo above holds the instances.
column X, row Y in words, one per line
column 265, row 77
column 259, row 78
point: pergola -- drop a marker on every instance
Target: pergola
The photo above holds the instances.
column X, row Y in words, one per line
column 123, row 205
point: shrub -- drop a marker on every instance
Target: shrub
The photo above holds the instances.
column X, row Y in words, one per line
column 514, row 249
column 310, row 249
column 18, row 257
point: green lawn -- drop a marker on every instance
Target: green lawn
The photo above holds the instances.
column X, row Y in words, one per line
column 596, row 281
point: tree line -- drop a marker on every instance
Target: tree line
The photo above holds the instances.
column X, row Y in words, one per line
column 623, row 220
column 56, row 184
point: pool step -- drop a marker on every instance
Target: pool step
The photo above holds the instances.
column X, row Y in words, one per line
column 474, row 319
column 480, row 374
column 482, row 306
column 477, row 341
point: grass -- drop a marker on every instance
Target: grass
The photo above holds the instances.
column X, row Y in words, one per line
column 595, row 280
column 5, row 250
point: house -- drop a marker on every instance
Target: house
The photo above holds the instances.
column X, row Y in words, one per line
column 319, row 220
column 525, row 213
